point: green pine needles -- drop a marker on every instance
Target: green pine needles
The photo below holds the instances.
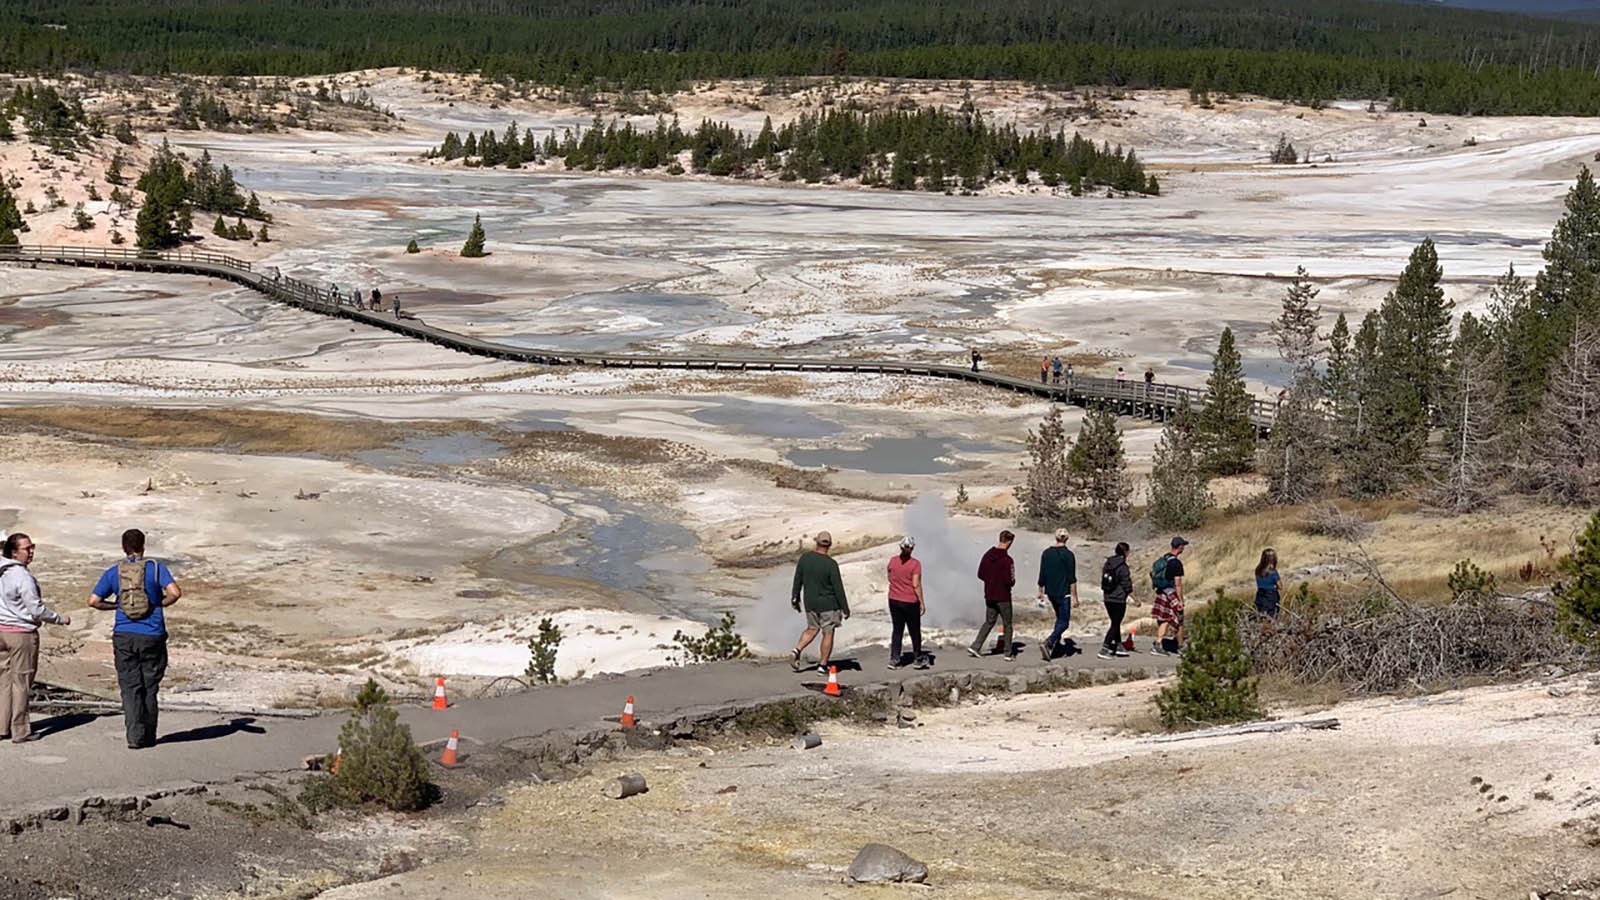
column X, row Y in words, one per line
column 1578, row 595
column 1214, row 685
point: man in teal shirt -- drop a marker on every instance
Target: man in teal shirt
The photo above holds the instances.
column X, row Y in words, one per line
column 816, row 579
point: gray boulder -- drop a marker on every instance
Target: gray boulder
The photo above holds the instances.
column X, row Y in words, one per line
column 881, row 862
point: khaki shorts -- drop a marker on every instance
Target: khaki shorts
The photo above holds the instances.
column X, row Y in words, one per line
column 824, row 621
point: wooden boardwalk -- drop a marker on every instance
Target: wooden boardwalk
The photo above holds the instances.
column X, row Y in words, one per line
column 1132, row 398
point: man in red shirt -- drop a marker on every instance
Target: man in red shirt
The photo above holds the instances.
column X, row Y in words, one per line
column 998, row 572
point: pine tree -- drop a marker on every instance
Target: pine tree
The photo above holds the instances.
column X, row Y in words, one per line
column 1368, row 468
column 220, row 229
column 1295, row 329
column 473, row 248
column 1339, row 386
column 1412, row 354
column 1567, row 466
column 1297, row 456
column 11, row 220
column 1178, row 493
column 1226, row 438
column 261, row 235
column 1097, row 470
column 1518, row 329
column 1043, row 496
column 1214, row 685
column 1469, row 458
column 1578, row 594
column 1567, row 290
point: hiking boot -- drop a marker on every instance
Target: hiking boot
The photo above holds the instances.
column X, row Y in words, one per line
column 974, row 654
column 1119, row 652
column 1046, row 651
column 894, row 664
column 1010, row 657
column 822, row 669
column 1159, row 650
column 1105, row 654
column 794, row 662
column 923, row 662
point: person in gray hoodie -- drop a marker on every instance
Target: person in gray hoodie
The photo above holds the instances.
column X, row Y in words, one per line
column 21, row 612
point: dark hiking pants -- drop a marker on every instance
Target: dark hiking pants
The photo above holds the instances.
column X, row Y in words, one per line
column 1116, row 610
column 141, row 661
column 906, row 618
column 1001, row 611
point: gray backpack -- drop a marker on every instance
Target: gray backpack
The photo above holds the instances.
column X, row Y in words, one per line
column 131, row 595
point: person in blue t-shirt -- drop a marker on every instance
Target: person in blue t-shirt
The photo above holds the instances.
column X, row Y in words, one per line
column 139, row 637
column 1267, row 583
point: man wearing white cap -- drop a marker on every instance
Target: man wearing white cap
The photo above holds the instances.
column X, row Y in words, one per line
column 1058, row 580
column 816, row 578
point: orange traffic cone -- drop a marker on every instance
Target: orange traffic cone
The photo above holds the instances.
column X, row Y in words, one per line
column 832, row 690
column 1001, row 645
column 1128, row 644
column 627, row 714
column 438, row 694
column 337, row 756
column 450, row 747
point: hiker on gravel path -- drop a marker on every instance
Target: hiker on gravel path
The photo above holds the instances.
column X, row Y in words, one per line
column 139, row 590
column 906, row 605
column 816, row 578
column 998, row 572
column 22, row 610
column 1058, row 580
column 1116, row 585
column 1166, row 577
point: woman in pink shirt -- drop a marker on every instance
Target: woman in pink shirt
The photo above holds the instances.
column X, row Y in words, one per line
column 905, row 604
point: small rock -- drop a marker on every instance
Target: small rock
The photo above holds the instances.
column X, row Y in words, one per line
column 881, row 862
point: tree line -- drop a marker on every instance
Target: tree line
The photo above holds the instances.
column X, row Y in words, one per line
column 1423, row 58
column 930, row 148
column 1410, row 399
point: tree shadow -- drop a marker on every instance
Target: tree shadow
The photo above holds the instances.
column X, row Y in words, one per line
column 245, row 724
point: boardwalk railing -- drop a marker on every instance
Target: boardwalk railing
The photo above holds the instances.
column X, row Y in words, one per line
column 1135, row 398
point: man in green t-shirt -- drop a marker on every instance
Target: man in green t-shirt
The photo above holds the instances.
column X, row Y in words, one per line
column 816, row 579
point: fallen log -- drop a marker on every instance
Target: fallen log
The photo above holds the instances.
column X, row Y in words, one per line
column 625, row 786
column 1247, row 728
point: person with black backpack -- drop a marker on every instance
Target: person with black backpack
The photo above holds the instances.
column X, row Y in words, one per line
column 1116, row 583
column 1166, row 577
column 139, row 590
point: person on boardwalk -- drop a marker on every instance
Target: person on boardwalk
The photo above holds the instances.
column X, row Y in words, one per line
column 140, row 590
column 1268, row 583
column 1055, row 369
column 1166, row 577
column 1044, row 370
column 816, row 579
column 976, row 358
column 22, row 610
column 1122, row 377
column 377, row 299
column 1069, row 374
column 1058, row 580
column 906, row 606
column 1116, row 585
column 998, row 572
column 1149, row 382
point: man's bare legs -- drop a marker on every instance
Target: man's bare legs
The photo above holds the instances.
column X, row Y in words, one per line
column 826, row 648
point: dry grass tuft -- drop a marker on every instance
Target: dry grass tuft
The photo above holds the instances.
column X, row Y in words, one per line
column 243, row 430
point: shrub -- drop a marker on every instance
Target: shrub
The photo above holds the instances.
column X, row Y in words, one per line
column 380, row 765
column 542, row 649
column 411, row 246
column 1468, row 582
column 1214, row 683
column 720, row 642
column 1578, row 595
